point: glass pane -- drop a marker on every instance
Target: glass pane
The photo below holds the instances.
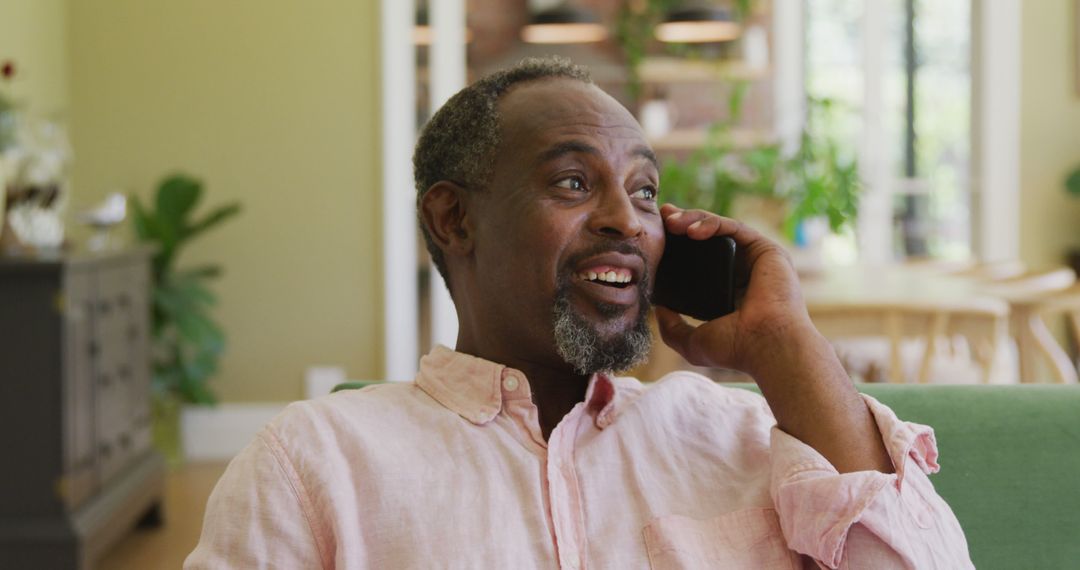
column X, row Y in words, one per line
column 834, row 62
column 933, row 202
column 943, row 120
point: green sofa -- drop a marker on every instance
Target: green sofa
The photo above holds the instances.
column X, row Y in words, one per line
column 1010, row 466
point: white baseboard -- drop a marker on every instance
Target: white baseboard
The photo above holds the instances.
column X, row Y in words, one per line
column 219, row 433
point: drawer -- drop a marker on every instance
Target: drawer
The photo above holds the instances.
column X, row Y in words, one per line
column 79, row 362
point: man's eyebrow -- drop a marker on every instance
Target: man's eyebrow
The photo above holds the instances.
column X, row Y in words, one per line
column 647, row 153
column 567, row 147
column 579, row 147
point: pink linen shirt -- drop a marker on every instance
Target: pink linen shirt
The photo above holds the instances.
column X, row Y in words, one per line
column 452, row 472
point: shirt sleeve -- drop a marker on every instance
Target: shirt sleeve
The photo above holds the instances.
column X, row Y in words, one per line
column 258, row 515
column 867, row 519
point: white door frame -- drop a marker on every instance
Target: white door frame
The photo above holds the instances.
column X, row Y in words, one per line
column 996, row 119
column 400, row 275
column 400, row 287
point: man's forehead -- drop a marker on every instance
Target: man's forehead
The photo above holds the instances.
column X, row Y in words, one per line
column 550, row 107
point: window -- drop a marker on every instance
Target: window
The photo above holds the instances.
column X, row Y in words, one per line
column 900, row 75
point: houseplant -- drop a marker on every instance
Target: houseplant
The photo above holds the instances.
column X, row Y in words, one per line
column 635, row 21
column 187, row 342
column 818, row 180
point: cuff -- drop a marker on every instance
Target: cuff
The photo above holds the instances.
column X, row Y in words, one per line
column 817, row 505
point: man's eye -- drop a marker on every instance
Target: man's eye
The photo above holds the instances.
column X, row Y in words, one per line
column 571, row 183
column 645, row 193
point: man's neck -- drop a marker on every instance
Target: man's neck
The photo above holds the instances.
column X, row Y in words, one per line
column 555, row 390
column 554, row 395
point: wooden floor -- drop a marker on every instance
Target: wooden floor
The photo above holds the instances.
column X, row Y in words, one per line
column 186, row 491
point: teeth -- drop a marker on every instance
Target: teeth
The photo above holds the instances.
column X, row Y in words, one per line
column 607, row 277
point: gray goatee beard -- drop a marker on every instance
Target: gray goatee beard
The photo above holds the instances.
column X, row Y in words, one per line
column 587, row 349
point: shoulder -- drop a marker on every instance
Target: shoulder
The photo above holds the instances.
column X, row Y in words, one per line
column 350, row 416
column 688, row 398
column 691, row 385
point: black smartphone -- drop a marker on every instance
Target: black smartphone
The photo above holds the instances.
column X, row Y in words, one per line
column 697, row 277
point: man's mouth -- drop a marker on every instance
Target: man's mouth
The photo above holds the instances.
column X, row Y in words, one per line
column 611, row 278
column 608, row 275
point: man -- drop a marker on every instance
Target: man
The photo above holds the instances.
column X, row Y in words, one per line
column 538, row 195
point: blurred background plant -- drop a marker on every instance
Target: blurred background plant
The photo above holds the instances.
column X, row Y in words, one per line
column 187, row 341
column 635, row 22
column 1072, row 183
column 819, row 179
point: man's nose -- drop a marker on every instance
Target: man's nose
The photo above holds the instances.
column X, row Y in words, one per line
column 615, row 215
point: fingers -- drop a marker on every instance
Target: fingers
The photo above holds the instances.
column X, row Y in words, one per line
column 668, row 209
column 676, row 219
column 705, row 228
column 700, row 224
column 676, row 332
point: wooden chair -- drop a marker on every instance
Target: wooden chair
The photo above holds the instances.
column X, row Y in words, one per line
column 982, row 322
column 1034, row 297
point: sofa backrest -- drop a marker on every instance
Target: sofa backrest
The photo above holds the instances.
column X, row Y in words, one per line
column 1010, row 466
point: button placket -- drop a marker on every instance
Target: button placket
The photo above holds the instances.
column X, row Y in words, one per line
column 564, row 493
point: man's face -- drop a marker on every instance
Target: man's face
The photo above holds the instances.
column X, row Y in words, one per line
column 568, row 233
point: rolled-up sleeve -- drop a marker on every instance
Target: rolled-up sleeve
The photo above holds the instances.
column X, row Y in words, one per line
column 258, row 515
column 867, row 519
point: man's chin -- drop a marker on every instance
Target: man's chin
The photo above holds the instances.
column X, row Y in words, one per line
column 600, row 335
column 610, row 320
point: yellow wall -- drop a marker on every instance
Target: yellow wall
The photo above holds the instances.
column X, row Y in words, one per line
column 33, row 34
column 1049, row 132
column 274, row 104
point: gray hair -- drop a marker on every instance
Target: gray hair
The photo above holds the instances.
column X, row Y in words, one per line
column 458, row 143
column 589, row 350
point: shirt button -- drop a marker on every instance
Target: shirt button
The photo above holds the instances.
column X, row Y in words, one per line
column 510, row 384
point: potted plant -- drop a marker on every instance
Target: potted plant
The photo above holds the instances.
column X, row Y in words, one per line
column 187, row 342
column 819, row 180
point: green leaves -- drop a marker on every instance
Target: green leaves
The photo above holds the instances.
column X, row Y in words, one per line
column 212, row 219
column 818, row 180
column 176, row 196
column 1072, row 183
column 188, row 342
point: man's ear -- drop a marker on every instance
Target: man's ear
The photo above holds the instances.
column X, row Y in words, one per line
column 443, row 210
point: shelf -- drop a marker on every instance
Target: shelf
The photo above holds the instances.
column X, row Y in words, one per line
column 694, row 138
column 678, row 70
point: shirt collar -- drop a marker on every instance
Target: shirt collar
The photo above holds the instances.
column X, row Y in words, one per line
column 475, row 388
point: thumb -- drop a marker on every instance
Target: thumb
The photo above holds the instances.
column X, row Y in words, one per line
column 675, row 331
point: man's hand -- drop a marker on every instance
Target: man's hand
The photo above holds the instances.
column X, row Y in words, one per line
column 771, row 311
column 770, row 336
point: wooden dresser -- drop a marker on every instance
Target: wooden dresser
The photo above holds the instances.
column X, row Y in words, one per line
column 78, row 469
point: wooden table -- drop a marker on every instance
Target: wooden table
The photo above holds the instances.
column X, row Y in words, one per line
column 899, row 301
